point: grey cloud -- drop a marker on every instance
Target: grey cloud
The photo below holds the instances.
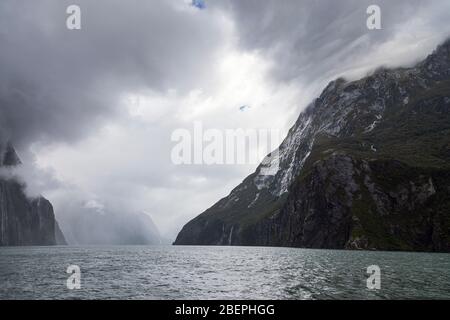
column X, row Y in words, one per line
column 310, row 39
column 56, row 83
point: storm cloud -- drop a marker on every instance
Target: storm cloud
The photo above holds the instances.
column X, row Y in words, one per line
column 92, row 110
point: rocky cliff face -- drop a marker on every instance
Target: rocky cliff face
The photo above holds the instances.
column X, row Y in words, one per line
column 367, row 165
column 24, row 221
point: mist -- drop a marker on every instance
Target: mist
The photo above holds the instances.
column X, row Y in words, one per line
column 90, row 112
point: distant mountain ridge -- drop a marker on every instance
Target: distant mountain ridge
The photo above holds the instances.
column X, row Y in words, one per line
column 24, row 221
column 366, row 166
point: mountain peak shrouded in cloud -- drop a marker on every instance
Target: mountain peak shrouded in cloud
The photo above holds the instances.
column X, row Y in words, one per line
column 8, row 155
column 366, row 166
column 61, row 95
column 24, row 219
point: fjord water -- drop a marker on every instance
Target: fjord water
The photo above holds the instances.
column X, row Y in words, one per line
column 171, row 272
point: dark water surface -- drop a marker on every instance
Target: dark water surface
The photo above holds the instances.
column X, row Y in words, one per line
column 168, row 272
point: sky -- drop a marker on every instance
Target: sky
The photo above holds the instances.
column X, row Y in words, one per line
column 91, row 111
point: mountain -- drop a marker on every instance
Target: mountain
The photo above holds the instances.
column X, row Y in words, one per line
column 366, row 166
column 90, row 226
column 24, row 221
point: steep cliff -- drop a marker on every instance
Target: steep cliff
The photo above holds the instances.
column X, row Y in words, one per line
column 366, row 165
column 24, row 221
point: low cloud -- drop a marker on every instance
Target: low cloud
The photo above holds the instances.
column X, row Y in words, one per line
column 91, row 112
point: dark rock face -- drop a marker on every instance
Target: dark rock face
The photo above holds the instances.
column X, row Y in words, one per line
column 24, row 221
column 347, row 203
column 366, row 166
column 8, row 156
